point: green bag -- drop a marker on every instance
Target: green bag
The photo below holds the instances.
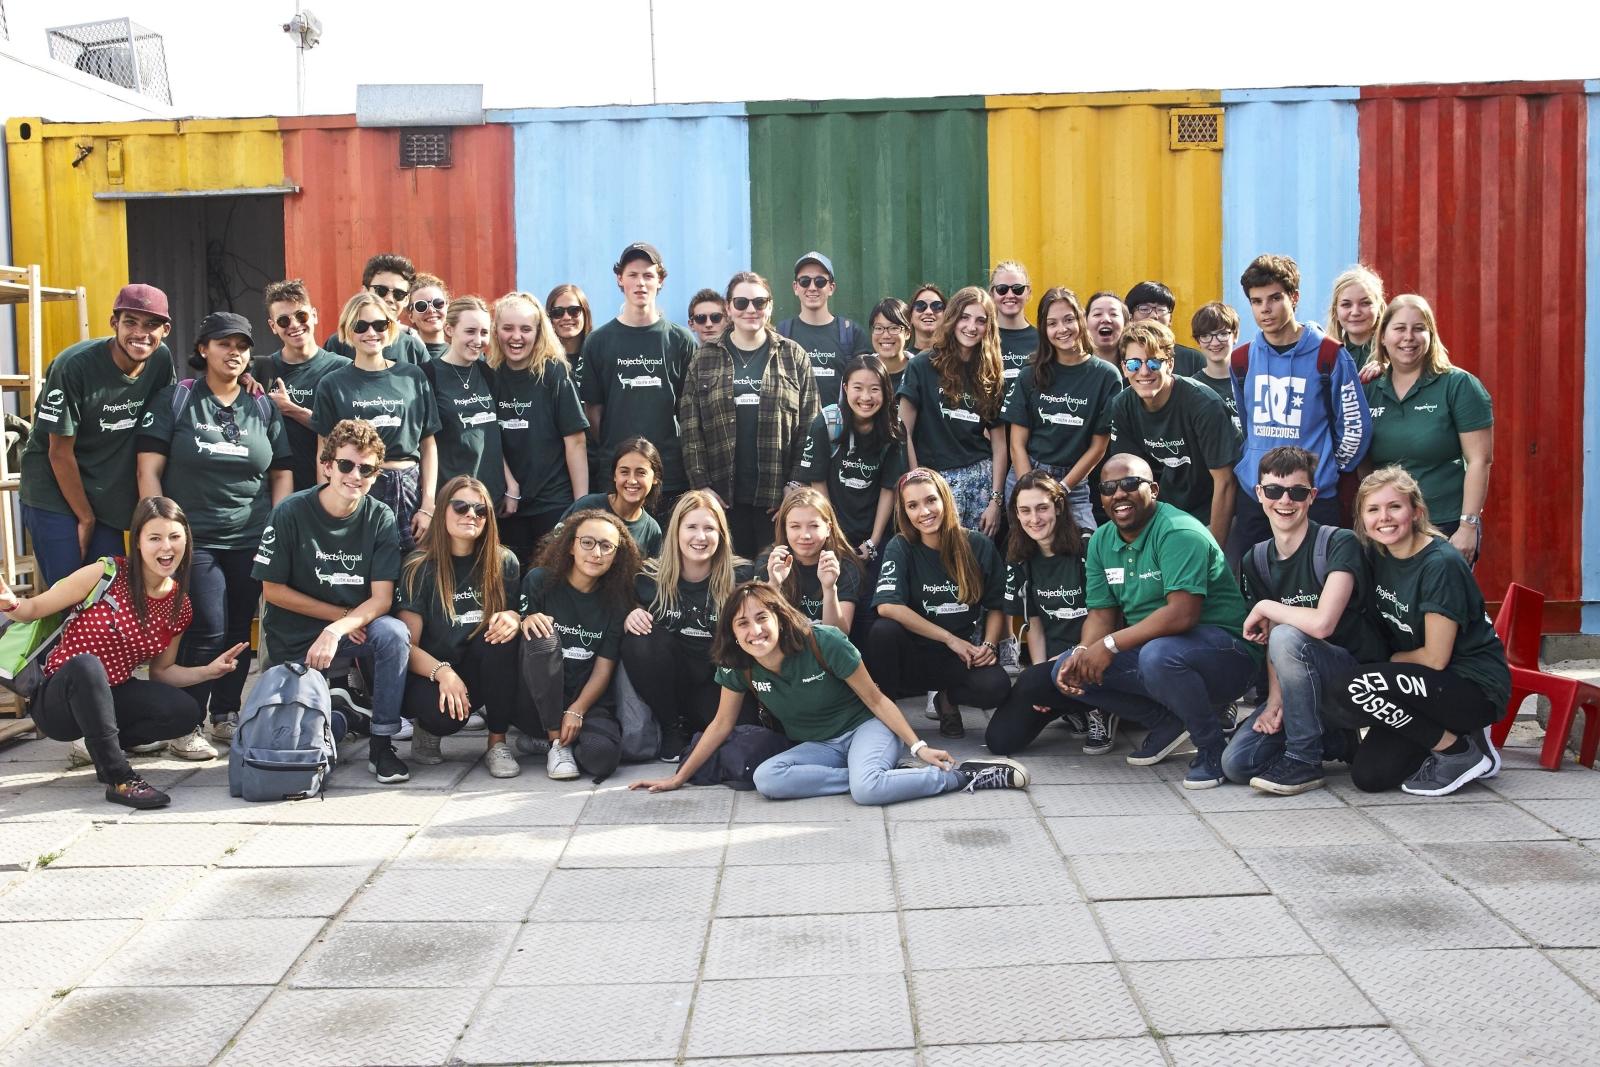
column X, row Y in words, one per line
column 24, row 646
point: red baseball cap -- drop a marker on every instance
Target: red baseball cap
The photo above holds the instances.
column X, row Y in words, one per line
column 146, row 299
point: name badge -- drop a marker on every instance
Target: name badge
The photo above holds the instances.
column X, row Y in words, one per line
column 1114, row 575
column 747, row 399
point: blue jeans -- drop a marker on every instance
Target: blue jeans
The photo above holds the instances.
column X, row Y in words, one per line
column 223, row 598
column 860, row 762
column 1081, row 510
column 1308, row 672
column 55, row 543
column 385, row 652
column 1185, row 676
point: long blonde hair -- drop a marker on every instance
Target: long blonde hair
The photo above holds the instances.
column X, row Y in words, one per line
column 547, row 347
column 955, row 552
column 434, row 551
column 1437, row 358
column 1371, row 284
column 667, row 568
column 1396, row 477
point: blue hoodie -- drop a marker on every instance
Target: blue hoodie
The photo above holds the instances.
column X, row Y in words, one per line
column 1282, row 402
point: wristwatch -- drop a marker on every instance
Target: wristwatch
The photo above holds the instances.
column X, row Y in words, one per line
column 1111, row 643
column 1472, row 520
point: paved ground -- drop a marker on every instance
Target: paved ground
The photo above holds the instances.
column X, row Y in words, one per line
column 1107, row 916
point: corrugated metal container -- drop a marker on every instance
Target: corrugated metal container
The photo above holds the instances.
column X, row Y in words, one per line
column 1290, row 185
column 591, row 181
column 1473, row 196
column 68, row 182
column 893, row 191
column 1591, row 374
column 357, row 200
column 1087, row 191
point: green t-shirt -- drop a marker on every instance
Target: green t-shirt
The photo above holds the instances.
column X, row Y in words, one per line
column 855, row 477
column 1223, row 387
column 1049, row 588
column 1174, row 553
column 328, row 559
column 828, row 351
column 468, row 440
column 636, row 373
column 586, row 626
column 397, row 401
column 946, row 437
column 221, row 484
column 1438, row 580
column 436, row 349
column 87, row 398
column 445, row 637
column 1185, row 441
column 1017, row 348
column 1294, row 582
column 645, row 530
column 694, row 619
column 537, row 414
column 407, row 348
column 1063, row 417
column 300, row 382
column 809, row 585
column 1423, row 432
column 810, row 698
column 1187, row 362
column 747, row 417
column 913, row 576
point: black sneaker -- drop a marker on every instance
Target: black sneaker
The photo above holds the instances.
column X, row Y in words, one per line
column 530, row 745
column 1445, row 772
column 673, row 737
column 1288, row 777
column 1162, row 741
column 1228, row 716
column 1101, row 733
column 1074, row 722
column 950, row 724
column 385, row 762
column 1339, row 746
column 993, row 772
column 1205, row 770
column 134, row 792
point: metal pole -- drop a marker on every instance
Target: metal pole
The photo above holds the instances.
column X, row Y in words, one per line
column 299, row 66
column 653, row 98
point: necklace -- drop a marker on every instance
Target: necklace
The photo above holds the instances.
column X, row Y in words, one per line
column 464, row 376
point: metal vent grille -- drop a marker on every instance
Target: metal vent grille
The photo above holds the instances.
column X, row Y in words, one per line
column 1195, row 127
column 424, row 148
column 119, row 51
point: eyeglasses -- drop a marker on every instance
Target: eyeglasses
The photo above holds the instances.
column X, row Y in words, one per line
column 1128, row 484
column 927, row 305
column 710, row 319
column 742, row 302
column 1133, row 366
column 571, row 311
column 597, row 544
column 230, row 429
column 463, row 507
column 383, row 292
column 345, row 466
column 813, row 281
column 1298, row 493
column 1009, row 290
column 888, row 327
column 437, row 304
column 302, row 317
column 1151, row 310
column 361, row 326
column 1224, row 336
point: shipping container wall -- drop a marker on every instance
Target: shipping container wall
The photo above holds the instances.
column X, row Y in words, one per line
column 57, row 170
column 1591, row 370
column 1474, row 197
column 591, row 181
column 1290, row 185
column 1087, row 192
column 893, row 191
column 356, row 200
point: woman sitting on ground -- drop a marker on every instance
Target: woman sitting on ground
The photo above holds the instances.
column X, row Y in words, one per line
column 811, row 563
column 851, row 735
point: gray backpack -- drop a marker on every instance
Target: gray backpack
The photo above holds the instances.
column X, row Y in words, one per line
column 284, row 747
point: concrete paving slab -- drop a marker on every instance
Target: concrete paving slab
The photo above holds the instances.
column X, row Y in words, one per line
column 792, row 946
column 592, row 894
column 394, row 954
column 1373, row 1046
column 1203, row 929
column 419, row 894
column 986, row 937
column 65, row 893
column 1455, row 823
column 1133, row 876
column 1202, row 996
column 604, row 953
column 269, row 893
column 207, row 952
column 598, row 1024
column 1420, row 919
column 934, row 882
column 1133, row 833
column 769, row 844
column 1106, row 1052
column 1024, row 1004
column 819, row 889
column 354, row 1028
column 183, row 1027
column 836, row 1013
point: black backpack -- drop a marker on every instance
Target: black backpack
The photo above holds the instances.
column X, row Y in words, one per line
column 1259, row 563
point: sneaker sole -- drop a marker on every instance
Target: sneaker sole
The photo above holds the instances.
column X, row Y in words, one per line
column 511, row 772
column 1466, row 776
column 388, row 779
column 1491, row 750
column 564, row 777
column 1278, row 789
column 1202, row 783
column 1019, row 773
column 1099, row 750
column 192, row 757
column 422, row 760
column 1151, row 760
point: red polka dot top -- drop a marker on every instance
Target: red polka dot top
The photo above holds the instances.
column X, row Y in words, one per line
column 113, row 632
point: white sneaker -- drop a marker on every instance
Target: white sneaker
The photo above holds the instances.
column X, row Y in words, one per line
column 405, row 731
column 475, row 724
column 502, row 762
column 223, row 727
column 192, row 746
column 145, row 750
column 932, row 710
column 78, row 755
column 560, row 764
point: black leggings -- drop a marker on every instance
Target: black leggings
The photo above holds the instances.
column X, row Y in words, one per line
column 904, row 665
column 490, row 674
column 224, row 598
column 749, row 528
column 1016, row 723
column 677, row 682
column 1411, row 709
column 598, row 748
column 522, row 532
column 79, row 701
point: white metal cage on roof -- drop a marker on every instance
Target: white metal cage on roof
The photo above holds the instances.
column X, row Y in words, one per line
column 119, row 51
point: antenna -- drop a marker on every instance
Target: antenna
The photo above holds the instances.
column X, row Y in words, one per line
column 305, row 32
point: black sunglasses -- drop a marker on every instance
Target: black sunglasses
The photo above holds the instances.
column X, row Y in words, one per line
column 1298, row 493
column 462, row 507
column 927, row 305
column 302, row 317
column 813, row 281
column 571, row 311
column 1012, row 290
column 437, row 304
column 361, row 326
column 385, row 292
column 347, row 465
column 708, row 319
column 741, row 302
column 1128, row 484
column 230, row 429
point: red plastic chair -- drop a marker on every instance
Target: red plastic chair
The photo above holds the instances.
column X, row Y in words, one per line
column 1520, row 625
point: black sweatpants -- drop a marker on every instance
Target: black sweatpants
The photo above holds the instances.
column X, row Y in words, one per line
column 1411, row 708
column 1016, row 723
column 223, row 597
column 750, row 529
column 904, row 665
column 491, row 676
column 677, row 681
column 598, row 748
column 79, row 701
column 522, row 532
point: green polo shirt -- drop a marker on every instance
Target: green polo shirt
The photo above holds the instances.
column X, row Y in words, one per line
column 1188, row 438
column 912, row 575
column 1064, row 416
column 1423, row 432
column 445, row 634
column 808, row 696
column 1293, row 581
column 1050, row 588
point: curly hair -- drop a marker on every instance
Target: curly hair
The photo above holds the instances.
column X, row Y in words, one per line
column 615, row 587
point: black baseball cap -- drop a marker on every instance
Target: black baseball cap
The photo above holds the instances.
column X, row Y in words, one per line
column 223, row 324
column 639, row 250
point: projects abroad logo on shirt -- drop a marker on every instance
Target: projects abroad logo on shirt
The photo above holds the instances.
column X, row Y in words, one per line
column 1174, row 446
column 1061, row 418
column 269, row 539
column 647, row 371
column 387, row 405
column 1394, row 601
column 50, row 407
column 857, row 473
column 952, row 606
column 585, row 637
column 886, row 577
column 114, row 425
column 347, row 560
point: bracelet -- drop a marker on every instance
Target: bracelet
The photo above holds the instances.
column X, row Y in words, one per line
column 918, row 746
column 990, row 645
column 427, row 513
column 511, row 496
column 574, row 714
column 433, row 675
column 994, row 496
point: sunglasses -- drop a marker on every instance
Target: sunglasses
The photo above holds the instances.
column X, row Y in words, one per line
column 1009, row 290
column 345, row 466
column 384, row 292
column 760, row 302
column 230, row 429
column 302, row 317
column 927, row 305
column 361, row 326
column 1298, row 493
column 1128, row 484
column 437, row 304
column 710, row 319
column 813, row 281
column 572, row 311
column 1133, row 366
column 463, row 507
